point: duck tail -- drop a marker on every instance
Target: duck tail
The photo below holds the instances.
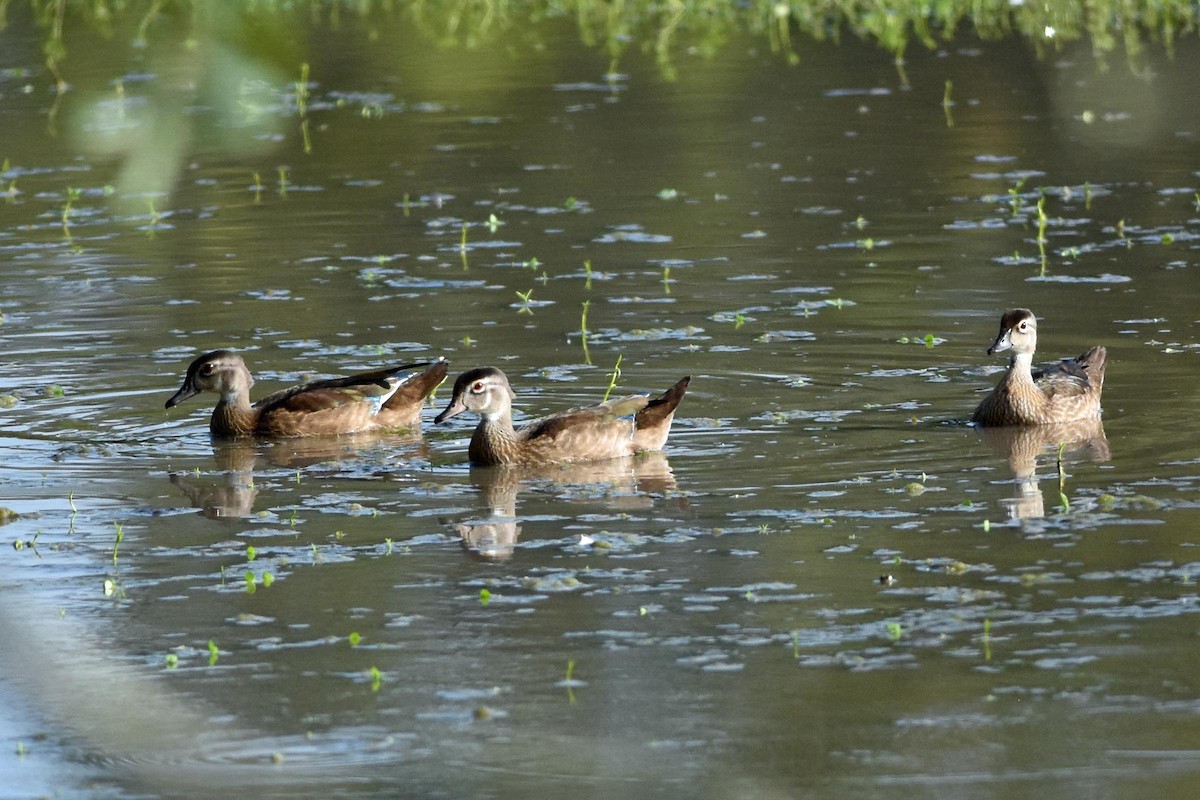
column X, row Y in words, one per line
column 1093, row 362
column 403, row 408
column 653, row 423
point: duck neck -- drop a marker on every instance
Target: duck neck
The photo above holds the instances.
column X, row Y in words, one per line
column 494, row 440
column 1020, row 368
column 233, row 416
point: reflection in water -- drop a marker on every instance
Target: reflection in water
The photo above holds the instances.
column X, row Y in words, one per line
column 230, row 493
column 1021, row 445
column 625, row 482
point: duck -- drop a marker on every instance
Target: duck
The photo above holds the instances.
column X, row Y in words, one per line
column 621, row 427
column 1064, row 392
column 381, row 400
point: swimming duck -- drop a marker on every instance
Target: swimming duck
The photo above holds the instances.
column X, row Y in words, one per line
column 1066, row 391
column 613, row 429
column 378, row 400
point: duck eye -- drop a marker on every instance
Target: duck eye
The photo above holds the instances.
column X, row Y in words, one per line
column 208, row 369
column 477, row 387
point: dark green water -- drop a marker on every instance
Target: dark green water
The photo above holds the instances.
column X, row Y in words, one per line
column 789, row 236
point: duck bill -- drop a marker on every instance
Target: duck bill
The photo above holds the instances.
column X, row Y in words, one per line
column 1003, row 342
column 185, row 391
column 455, row 408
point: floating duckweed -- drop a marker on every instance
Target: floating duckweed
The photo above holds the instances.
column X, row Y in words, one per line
column 354, row 638
column 213, row 652
column 895, row 631
column 267, row 580
column 915, row 488
column 171, row 661
column 251, row 553
column 485, row 597
column 376, row 679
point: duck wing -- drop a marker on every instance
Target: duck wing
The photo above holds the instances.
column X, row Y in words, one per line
column 1067, row 378
column 585, row 422
column 375, row 387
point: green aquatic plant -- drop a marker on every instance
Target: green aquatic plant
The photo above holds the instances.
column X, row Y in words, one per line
column 376, row 678
column 213, row 653
column 948, row 104
column 354, row 638
column 1062, row 479
column 251, row 582
column 613, row 377
column 587, row 273
column 895, row 631
column 117, row 543
column 583, row 332
column 1014, row 196
column 267, row 580
column 72, row 195
column 485, row 597
column 302, row 90
column 525, row 300
column 493, row 223
column 251, row 553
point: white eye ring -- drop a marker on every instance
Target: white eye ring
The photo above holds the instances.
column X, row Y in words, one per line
column 477, row 387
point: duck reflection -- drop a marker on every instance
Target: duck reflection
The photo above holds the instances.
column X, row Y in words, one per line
column 230, row 493
column 622, row 483
column 1021, row 446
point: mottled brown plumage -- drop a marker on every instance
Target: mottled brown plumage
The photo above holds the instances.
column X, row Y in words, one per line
column 367, row 401
column 617, row 428
column 1064, row 392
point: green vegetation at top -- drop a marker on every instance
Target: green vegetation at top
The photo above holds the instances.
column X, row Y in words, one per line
column 663, row 27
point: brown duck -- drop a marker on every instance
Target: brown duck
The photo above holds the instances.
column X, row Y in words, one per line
column 1064, row 392
column 617, row 428
column 379, row 400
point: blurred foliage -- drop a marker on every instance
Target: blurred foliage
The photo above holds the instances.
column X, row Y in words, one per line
column 240, row 59
column 661, row 26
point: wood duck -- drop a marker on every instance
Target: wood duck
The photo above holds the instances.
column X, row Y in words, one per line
column 379, row 400
column 1064, row 392
column 617, row 428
